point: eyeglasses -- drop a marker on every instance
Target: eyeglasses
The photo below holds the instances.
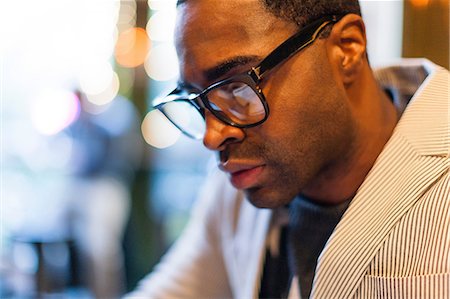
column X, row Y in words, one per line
column 237, row 101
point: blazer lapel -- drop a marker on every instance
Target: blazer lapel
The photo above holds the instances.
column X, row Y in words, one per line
column 414, row 158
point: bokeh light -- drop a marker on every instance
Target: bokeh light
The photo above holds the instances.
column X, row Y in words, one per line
column 54, row 110
column 162, row 63
column 132, row 47
column 161, row 25
column 158, row 131
column 96, row 76
column 108, row 94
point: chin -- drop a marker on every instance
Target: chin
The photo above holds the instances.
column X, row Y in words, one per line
column 266, row 199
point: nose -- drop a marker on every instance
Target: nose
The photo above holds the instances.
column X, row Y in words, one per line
column 218, row 134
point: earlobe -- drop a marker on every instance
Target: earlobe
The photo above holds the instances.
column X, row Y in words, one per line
column 348, row 40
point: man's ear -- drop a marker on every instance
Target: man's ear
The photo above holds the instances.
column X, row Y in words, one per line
column 347, row 46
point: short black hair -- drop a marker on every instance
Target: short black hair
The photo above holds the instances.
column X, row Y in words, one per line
column 302, row 12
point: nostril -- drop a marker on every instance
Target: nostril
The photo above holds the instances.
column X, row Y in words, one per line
column 229, row 141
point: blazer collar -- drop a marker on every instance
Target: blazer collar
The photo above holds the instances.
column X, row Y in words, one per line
column 421, row 89
column 414, row 158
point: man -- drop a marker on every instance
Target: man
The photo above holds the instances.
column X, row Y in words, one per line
column 343, row 173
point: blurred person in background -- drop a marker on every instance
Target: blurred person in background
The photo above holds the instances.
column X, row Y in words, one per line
column 103, row 165
column 338, row 175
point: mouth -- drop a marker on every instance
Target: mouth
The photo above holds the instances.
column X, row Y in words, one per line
column 243, row 176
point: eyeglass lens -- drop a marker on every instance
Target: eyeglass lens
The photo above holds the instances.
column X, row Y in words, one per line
column 234, row 103
column 237, row 102
column 185, row 117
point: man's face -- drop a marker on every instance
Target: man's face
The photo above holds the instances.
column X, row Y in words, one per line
column 310, row 125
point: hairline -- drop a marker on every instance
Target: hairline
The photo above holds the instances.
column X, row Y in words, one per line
column 299, row 20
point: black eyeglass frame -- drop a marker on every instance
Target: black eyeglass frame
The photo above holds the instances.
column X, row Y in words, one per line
column 297, row 42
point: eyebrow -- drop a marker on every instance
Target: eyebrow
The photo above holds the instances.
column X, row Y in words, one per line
column 221, row 69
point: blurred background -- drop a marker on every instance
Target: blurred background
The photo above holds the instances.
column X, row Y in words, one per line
column 94, row 185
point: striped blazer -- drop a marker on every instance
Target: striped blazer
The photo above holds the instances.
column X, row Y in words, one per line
column 392, row 242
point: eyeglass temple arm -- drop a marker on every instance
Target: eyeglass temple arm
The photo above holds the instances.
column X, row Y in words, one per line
column 291, row 46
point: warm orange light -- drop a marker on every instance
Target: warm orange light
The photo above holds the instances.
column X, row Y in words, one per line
column 132, row 47
column 420, row 3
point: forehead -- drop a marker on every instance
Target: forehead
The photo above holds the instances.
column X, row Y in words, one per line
column 210, row 32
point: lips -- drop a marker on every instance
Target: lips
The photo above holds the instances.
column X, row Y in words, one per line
column 243, row 175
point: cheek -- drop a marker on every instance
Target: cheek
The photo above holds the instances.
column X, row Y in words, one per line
column 295, row 109
column 290, row 91
column 308, row 118
column 301, row 96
